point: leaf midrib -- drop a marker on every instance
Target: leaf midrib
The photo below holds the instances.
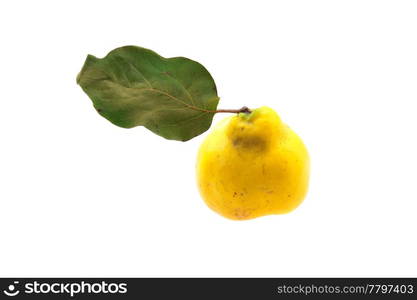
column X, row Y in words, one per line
column 168, row 95
column 170, row 76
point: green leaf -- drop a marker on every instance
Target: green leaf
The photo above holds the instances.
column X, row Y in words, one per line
column 132, row 86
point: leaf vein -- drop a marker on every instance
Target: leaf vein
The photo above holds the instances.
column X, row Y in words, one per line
column 183, row 86
column 137, row 70
column 186, row 120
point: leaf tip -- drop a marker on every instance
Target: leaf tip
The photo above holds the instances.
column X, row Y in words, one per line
column 88, row 61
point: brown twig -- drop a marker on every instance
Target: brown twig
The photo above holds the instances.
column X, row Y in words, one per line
column 244, row 109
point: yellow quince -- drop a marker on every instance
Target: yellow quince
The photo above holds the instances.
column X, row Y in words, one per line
column 252, row 165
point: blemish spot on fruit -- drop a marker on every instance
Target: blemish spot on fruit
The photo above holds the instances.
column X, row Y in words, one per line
column 241, row 214
column 234, row 194
column 254, row 143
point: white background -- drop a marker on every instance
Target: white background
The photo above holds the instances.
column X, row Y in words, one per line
column 82, row 197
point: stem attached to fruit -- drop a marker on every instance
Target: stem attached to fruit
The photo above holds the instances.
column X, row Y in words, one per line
column 244, row 109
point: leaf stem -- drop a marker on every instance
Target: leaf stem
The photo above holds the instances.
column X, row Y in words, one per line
column 244, row 109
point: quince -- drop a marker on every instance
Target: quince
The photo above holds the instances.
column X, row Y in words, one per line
column 252, row 165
